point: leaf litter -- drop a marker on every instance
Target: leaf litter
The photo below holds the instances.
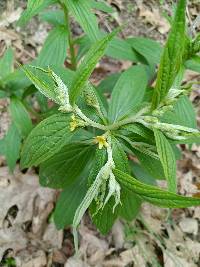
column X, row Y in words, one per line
column 154, row 239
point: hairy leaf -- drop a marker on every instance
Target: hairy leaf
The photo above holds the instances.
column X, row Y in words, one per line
column 167, row 158
column 154, row 194
column 172, row 56
column 46, row 139
column 130, row 203
column 65, row 166
column 42, row 81
column 88, row 64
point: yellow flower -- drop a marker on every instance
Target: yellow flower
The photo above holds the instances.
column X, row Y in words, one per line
column 73, row 123
column 101, row 140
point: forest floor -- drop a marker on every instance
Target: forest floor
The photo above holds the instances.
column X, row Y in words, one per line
column 155, row 238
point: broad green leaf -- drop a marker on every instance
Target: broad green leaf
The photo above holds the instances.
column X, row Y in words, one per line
column 65, row 166
column 2, row 146
column 172, row 56
column 130, row 203
column 81, row 10
column 54, row 50
column 33, row 8
column 154, row 194
column 46, row 139
column 128, row 92
column 42, row 81
column 105, row 218
column 193, row 64
column 148, row 48
column 117, row 49
column 119, row 156
column 3, row 94
column 12, row 142
column 122, row 50
column 98, row 162
column 68, row 201
column 54, row 17
column 101, row 5
column 183, row 113
column 16, row 80
column 88, row 64
column 136, row 129
column 20, row 116
column 107, row 85
column 6, row 63
column 142, row 175
column 167, row 158
column 152, row 166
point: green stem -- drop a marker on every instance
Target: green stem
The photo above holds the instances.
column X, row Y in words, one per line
column 70, row 38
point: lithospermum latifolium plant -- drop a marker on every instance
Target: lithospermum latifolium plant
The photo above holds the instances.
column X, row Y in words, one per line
column 106, row 153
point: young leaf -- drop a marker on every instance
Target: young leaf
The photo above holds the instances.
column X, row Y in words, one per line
column 20, row 117
column 42, row 81
column 46, row 139
column 167, row 158
column 12, row 142
column 128, row 92
column 54, row 50
column 6, row 63
column 148, row 48
column 154, row 194
column 81, row 10
column 88, row 64
column 33, row 8
column 65, row 166
column 69, row 200
column 172, row 56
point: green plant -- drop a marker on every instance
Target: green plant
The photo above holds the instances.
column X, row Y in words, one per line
column 86, row 143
